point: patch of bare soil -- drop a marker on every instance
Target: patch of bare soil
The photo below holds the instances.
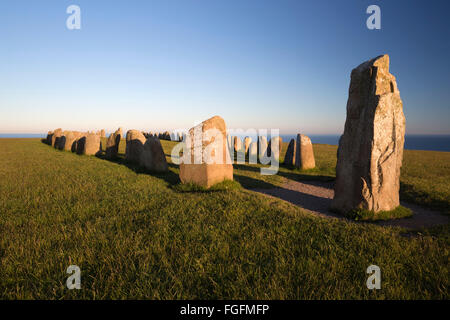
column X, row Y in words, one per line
column 315, row 197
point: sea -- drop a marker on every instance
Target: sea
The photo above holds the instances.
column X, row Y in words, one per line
column 412, row 142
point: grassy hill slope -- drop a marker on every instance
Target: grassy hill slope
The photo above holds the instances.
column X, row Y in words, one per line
column 136, row 235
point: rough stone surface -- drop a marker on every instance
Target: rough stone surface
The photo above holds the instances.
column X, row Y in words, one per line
column 89, row 144
column 247, row 142
column 253, row 153
column 230, row 143
column 80, row 135
column 48, row 140
column 70, row 139
column 370, row 151
column 207, row 160
column 134, row 146
column 237, row 143
column 153, row 157
column 56, row 134
column 289, row 158
column 112, row 145
column 274, row 147
column 262, row 146
column 304, row 153
column 119, row 132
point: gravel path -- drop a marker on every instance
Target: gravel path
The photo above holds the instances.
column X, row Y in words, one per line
column 315, row 197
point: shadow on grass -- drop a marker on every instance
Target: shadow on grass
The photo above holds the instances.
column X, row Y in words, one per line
column 294, row 174
column 252, row 183
column 303, row 176
column 306, row 201
column 170, row 177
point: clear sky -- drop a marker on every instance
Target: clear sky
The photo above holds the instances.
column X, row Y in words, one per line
column 167, row 64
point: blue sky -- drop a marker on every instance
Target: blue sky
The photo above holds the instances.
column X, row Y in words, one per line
column 164, row 64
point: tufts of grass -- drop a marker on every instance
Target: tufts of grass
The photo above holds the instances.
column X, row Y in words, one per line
column 134, row 236
column 226, row 185
column 370, row 215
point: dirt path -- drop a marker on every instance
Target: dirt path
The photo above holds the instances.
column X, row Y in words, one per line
column 315, row 197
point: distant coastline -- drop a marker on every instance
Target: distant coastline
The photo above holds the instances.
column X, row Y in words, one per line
column 412, row 142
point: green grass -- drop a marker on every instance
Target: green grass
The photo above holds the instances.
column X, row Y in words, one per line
column 226, row 185
column 138, row 235
column 369, row 215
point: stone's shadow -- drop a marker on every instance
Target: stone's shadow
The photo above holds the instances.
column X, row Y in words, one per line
column 170, row 176
column 296, row 176
column 251, row 183
column 306, row 201
column 305, row 178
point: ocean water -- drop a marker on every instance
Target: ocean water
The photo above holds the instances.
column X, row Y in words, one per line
column 22, row 135
column 412, row 142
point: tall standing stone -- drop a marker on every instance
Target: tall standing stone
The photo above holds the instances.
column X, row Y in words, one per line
column 247, row 142
column 274, row 147
column 153, row 157
column 56, row 134
column 89, row 144
column 135, row 145
column 70, row 138
column 304, row 153
column 237, row 144
column 370, row 151
column 230, row 144
column 206, row 160
column 253, row 153
column 112, row 145
column 262, row 146
column 48, row 140
column 289, row 158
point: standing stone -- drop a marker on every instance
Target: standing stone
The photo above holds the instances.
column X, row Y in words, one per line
column 207, row 160
column 119, row 132
column 166, row 135
column 370, row 151
column 262, row 147
column 274, row 147
column 75, row 142
column 230, row 142
column 48, row 140
column 289, row 158
column 304, row 153
column 81, row 135
column 89, row 144
column 237, row 144
column 253, row 153
column 112, row 145
column 135, row 145
column 66, row 141
column 153, row 157
column 60, row 141
column 56, row 134
column 247, row 142
column 103, row 133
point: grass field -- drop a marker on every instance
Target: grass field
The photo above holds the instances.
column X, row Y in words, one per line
column 140, row 235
